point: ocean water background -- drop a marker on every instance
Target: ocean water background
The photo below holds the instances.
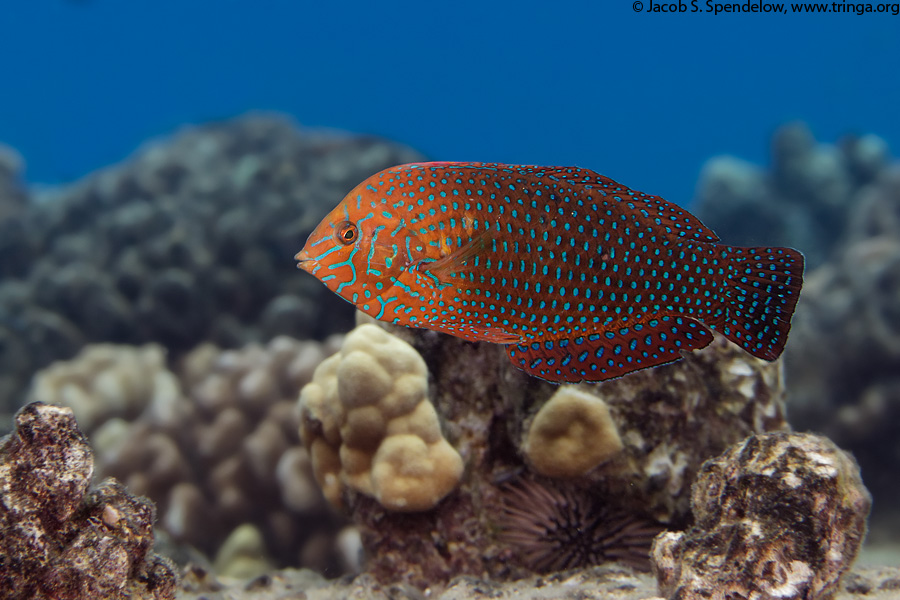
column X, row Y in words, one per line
column 644, row 98
column 179, row 249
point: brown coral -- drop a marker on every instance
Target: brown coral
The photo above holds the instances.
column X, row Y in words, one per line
column 572, row 433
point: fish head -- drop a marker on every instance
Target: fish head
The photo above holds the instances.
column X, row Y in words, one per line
column 356, row 248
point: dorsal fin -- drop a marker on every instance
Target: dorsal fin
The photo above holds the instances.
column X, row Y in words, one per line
column 672, row 220
column 676, row 221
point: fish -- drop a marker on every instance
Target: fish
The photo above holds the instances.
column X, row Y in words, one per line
column 581, row 278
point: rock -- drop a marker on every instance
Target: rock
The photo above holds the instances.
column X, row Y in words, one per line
column 779, row 515
column 57, row 539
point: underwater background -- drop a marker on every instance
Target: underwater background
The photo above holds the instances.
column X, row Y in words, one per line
column 162, row 162
column 645, row 98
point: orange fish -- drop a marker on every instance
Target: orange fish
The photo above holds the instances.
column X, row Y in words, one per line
column 582, row 278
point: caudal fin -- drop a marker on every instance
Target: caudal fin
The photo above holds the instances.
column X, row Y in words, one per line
column 761, row 292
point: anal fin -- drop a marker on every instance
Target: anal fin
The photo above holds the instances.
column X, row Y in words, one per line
column 608, row 354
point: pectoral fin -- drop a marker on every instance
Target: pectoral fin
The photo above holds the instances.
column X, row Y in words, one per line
column 460, row 262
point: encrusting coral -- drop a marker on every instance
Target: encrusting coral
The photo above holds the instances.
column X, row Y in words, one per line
column 213, row 443
column 368, row 424
column 779, row 515
column 572, row 433
column 58, row 539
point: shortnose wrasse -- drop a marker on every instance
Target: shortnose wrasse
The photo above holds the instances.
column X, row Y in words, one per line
column 581, row 277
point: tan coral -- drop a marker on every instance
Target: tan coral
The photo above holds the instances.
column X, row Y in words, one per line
column 571, row 434
column 368, row 424
column 106, row 381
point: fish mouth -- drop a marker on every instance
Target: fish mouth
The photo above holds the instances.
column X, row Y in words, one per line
column 305, row 262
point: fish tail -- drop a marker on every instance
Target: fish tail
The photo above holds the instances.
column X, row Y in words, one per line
column 761, row 289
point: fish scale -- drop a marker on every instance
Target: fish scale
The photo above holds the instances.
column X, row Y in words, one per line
column 581, row 277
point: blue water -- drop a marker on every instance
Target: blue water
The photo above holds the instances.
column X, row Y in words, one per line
column 644, row 98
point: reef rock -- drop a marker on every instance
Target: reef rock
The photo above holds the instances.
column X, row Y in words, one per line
column 60, row 541
column 779, row 515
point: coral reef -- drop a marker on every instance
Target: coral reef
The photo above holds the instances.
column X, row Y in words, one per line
column 668, row 420
column 58, row 539
column 841, row 207
column 803, row 201
column 780, row 515
column 368, row 424
column 190, row 240
column 214, row 444
column 12, row 192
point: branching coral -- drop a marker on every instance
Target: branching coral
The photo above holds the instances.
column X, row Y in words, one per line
column 368, row 424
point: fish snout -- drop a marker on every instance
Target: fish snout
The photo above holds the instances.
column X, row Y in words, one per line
column 305, row 261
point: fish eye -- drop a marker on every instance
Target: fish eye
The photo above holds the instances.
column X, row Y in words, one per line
column 346, row 233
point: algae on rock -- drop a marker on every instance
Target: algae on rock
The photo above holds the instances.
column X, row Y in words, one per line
column 779, row 515
column 60, row 541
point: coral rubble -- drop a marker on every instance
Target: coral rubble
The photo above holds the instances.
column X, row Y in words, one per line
column 60, row 540
column 779, row 515
column 190, row 240
column 608, row 582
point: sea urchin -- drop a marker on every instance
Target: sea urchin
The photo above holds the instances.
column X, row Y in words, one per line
column 554, row 529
